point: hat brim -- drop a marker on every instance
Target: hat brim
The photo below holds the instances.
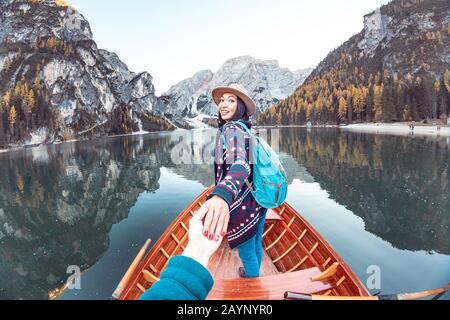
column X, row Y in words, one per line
column 250, row 105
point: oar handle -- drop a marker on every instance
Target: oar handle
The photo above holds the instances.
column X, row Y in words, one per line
column 289, row 295
column 403, row 296
column 422, row 294
column 130, row 270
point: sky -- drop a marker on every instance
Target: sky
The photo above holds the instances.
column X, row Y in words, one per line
column 174, row 39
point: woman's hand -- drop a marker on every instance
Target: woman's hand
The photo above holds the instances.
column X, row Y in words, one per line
column 217, row 217
column 199, row 248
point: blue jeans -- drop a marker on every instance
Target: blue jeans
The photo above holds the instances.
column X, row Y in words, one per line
column 251, row 251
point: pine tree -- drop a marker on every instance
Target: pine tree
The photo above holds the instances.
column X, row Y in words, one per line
column 435, row 107
column 350, row 106
column 377, row 102
column 31, row 101
column 7, row 99
column 12, row 115
column 342, row 112
column 369, row 103
column 358, row 101
column 443, row 100
column 37, row 84
column 447, row 80
column 387, row 105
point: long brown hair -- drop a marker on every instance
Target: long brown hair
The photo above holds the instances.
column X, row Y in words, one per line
column 220, row 121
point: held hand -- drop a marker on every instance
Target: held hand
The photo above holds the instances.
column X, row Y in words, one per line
column 200, row 248
column 217, row 217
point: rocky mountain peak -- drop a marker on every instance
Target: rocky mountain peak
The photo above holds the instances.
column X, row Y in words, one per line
column 245, row 61
column 189, row 102
column 375, row 30
column 29, row 20
column 58, row 85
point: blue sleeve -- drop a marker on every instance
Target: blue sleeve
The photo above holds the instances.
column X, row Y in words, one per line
column 183, row 279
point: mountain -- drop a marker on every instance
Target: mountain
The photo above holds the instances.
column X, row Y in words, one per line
column 396, row 69
column 56, row 84
column 190, row 101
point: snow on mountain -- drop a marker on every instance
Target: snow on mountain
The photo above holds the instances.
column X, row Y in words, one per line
column 266, row 82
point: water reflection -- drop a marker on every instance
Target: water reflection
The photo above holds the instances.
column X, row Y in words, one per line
column 398, row 186
column 57, row 206
column 59, row 203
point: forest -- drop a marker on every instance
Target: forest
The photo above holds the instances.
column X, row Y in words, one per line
column 339, row 98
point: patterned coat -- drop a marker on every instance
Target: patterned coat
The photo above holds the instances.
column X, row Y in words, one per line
column 232, row 167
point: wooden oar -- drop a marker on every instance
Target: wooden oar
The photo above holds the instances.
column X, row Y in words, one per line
column 130, row 270
column 402, row 296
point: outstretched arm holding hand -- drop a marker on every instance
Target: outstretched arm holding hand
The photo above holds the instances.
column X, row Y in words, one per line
column 186, row 276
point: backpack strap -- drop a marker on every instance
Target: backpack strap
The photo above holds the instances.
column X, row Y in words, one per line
column 242, row 125
column 247, row 130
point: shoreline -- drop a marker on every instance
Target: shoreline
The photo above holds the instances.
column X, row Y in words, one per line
column 24, row 147
column 399, row 129
column 374, row 128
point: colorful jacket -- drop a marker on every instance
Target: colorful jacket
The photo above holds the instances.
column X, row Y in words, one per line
column 183, row 279
column 232, row 167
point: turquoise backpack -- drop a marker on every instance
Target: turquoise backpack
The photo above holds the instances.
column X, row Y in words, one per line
column 269, row 177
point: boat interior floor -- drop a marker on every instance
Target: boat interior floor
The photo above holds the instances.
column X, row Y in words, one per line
column 271, row 285
column 225, row 263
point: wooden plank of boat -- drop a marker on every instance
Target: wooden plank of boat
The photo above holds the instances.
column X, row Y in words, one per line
column 268, row 287
column 296, row 258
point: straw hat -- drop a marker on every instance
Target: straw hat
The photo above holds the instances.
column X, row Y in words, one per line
column 239, row 91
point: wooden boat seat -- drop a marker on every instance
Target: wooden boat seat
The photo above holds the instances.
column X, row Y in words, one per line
column 272, row 216
column 269, row 287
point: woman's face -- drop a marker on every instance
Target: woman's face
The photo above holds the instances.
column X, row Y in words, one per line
column 228, row 106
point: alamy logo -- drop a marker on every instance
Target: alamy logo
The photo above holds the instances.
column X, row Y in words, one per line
column 74, row 280
column 374, row 280
column 203, row 148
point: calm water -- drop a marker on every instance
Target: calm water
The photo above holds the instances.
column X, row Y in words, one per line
column 379, row 200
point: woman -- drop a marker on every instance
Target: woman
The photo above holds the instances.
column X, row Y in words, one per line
column 231, row 209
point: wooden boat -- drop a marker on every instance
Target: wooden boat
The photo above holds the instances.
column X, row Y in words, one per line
column 296, row 259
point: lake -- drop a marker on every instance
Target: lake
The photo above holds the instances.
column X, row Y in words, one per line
column 379, row 200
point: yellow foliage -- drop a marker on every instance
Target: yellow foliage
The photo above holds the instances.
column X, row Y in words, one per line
column 342, row 108
column 447, row 79
column 61, row 3
column 31, row 101
column 12, row 115
column 7, row 98
column 377, row 102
